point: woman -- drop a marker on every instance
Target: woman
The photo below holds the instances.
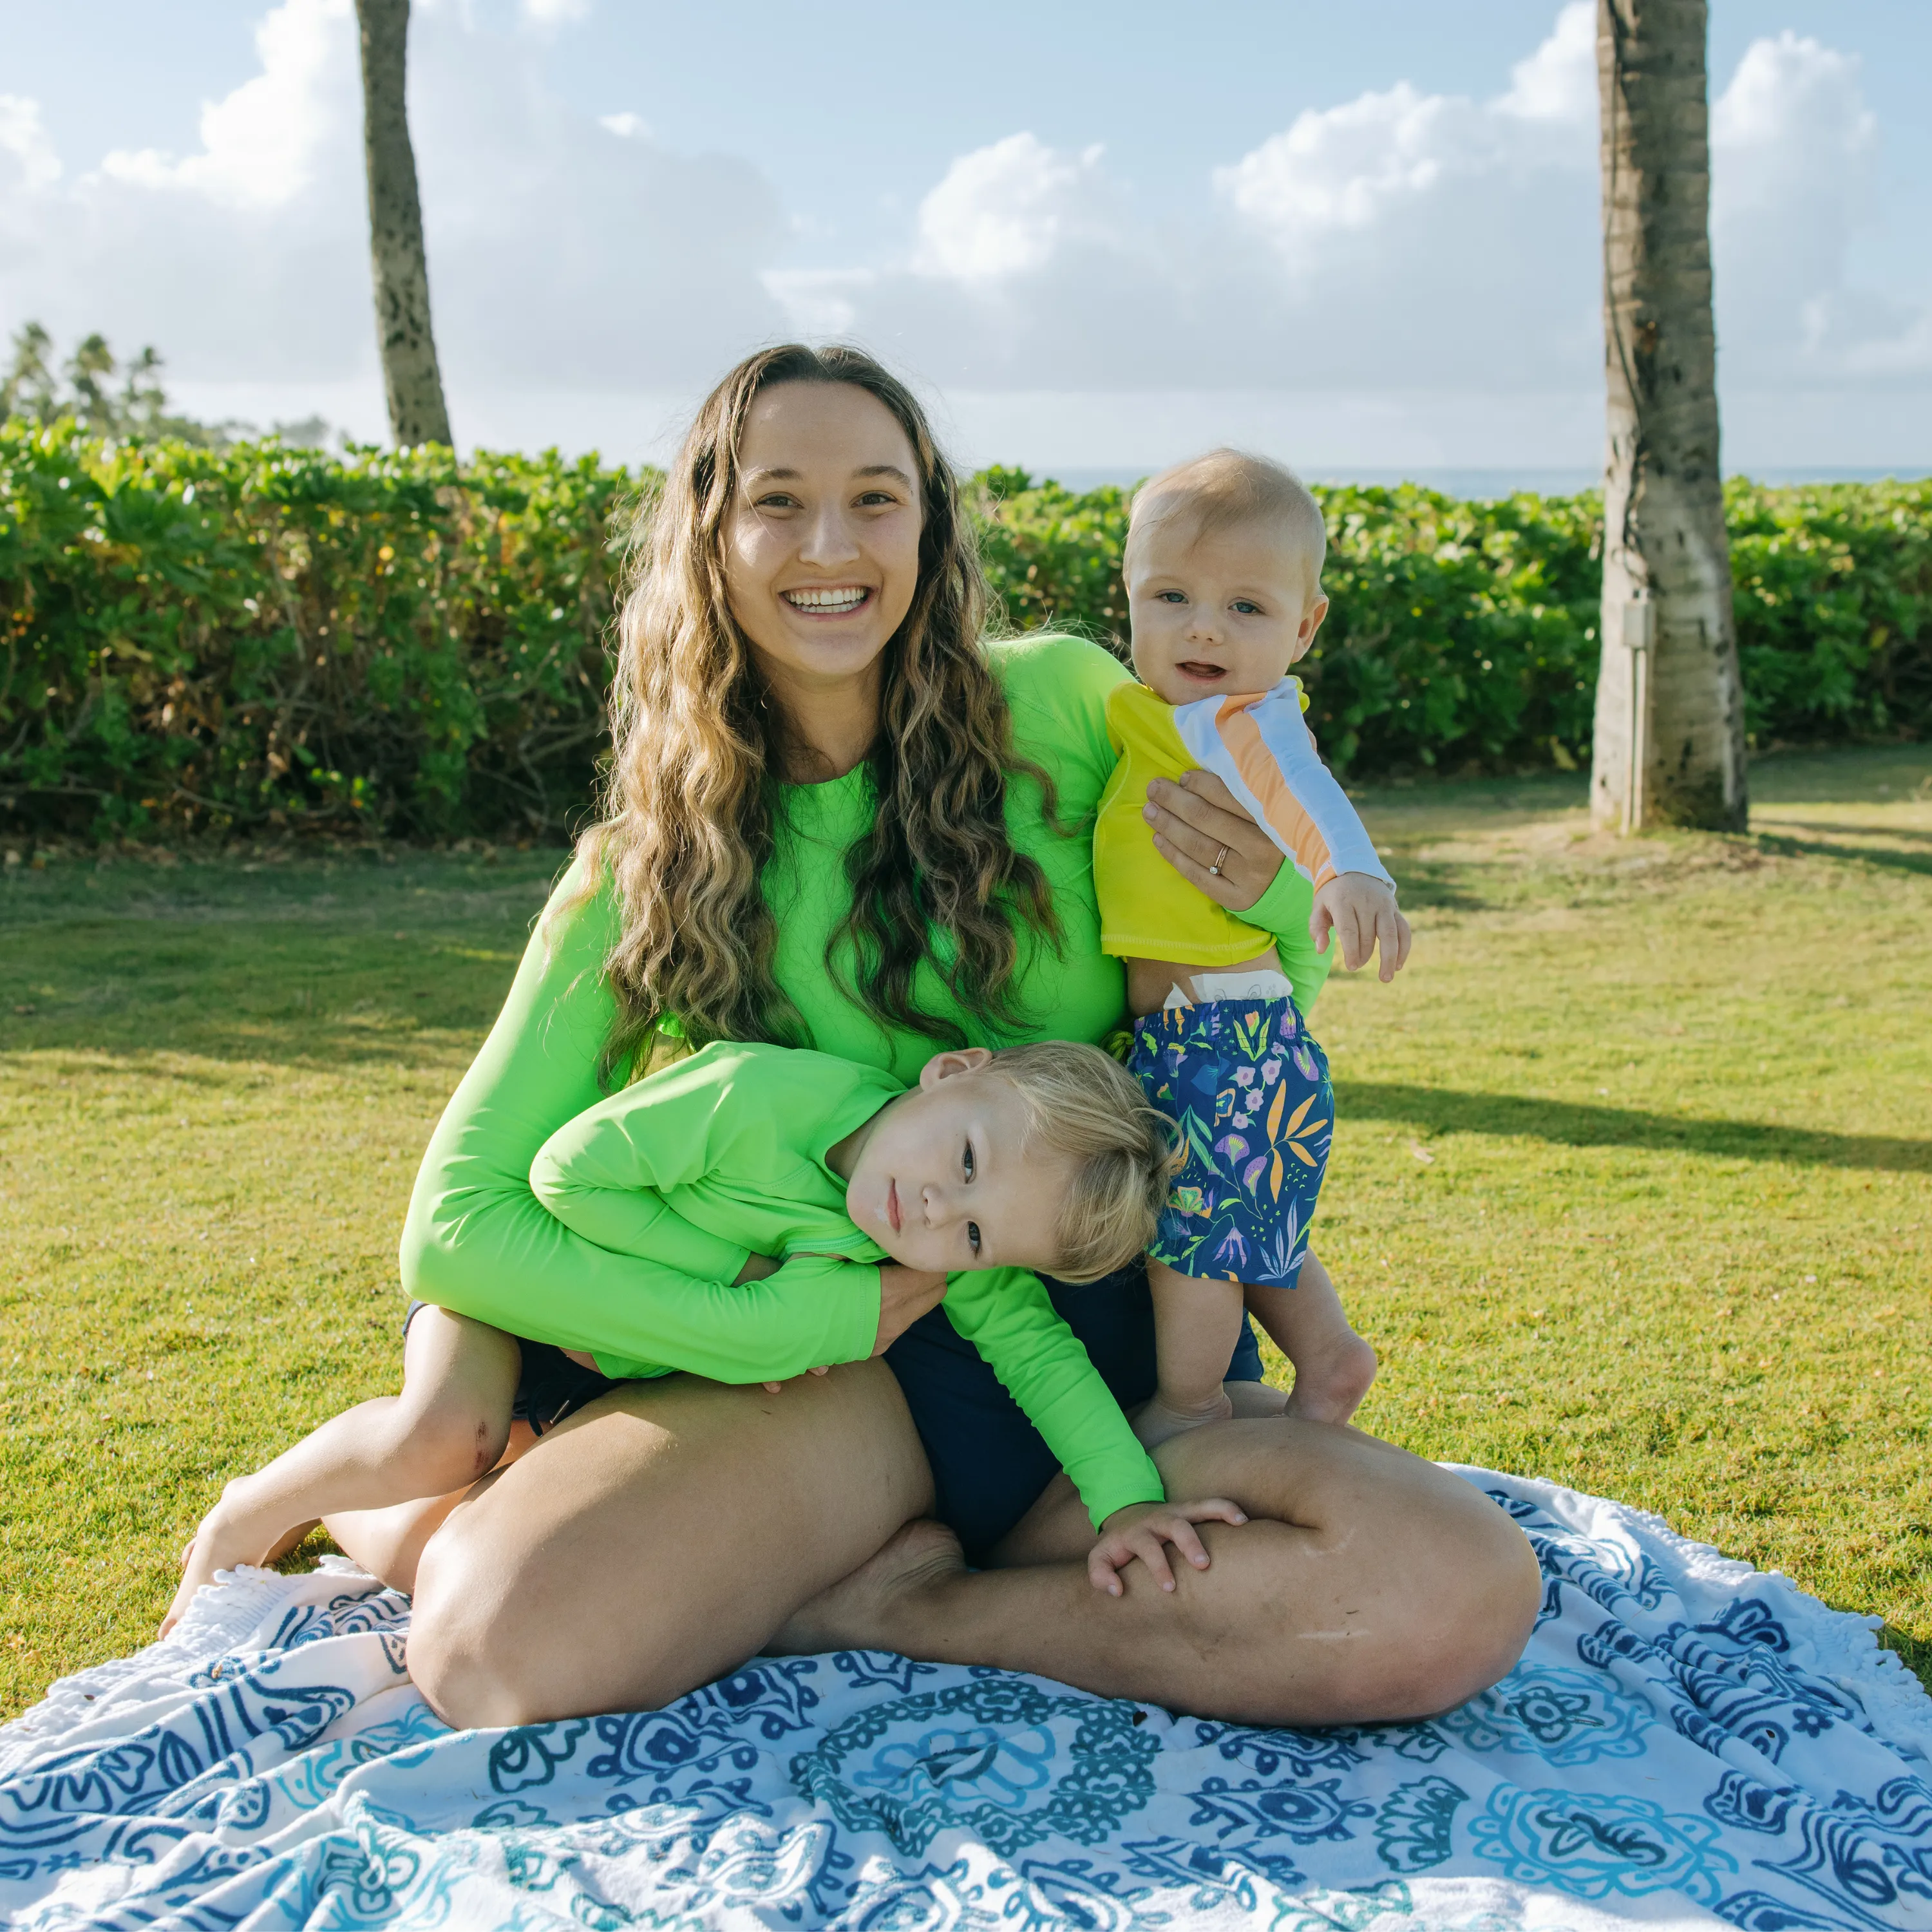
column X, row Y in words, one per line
column 836, row 815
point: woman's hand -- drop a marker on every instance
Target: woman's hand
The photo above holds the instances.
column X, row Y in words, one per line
column 1197, row 824
column 772, row 1388
column 904, row 1294
column 1144, row 1530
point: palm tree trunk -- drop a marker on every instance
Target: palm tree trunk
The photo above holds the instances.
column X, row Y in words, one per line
column 410, row 375
column 1669, row 725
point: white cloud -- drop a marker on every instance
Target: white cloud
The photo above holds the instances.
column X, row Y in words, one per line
column 261, row 145
column 1417, row 264
column 1402, row 239
column 1004, row 210
column 1558, row 82
column 560, row 259
column 555, row 13
column 1794, row 148
column 1403, row 243
column 26, row 154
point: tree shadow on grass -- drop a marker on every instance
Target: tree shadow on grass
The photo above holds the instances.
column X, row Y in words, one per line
column 1783, row 844
column 1768, row 826
column 1443, row 1111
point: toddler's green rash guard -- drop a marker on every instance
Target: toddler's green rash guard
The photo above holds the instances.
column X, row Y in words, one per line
column 732, row 1142
column 477, row 1239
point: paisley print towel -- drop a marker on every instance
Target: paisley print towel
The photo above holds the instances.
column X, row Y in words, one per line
column 1686, row 1742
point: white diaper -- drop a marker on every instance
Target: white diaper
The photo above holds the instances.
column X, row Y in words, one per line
column 1232, row 986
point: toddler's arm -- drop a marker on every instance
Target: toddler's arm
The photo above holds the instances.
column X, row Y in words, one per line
column 1268, row 757
column 1006, row 1315
column 478, row 1241
column 1361, row 913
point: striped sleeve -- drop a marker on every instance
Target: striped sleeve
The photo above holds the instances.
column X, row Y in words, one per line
column 1263, row 750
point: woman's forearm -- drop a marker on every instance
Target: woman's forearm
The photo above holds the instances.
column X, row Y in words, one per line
column 501, row 1257
column 478, row 1241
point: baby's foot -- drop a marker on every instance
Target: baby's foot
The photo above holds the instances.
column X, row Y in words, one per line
column 1157, row 1418
column 1331, row 1382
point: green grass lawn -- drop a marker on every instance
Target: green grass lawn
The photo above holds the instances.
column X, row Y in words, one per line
column 1630, row 1189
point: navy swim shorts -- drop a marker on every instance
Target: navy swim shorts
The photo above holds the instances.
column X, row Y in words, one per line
column 989, row 1463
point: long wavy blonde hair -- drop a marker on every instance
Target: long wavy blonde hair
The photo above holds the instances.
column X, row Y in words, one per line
column 699, row 754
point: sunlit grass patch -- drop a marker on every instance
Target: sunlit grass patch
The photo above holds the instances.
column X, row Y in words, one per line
column 1631, row 1187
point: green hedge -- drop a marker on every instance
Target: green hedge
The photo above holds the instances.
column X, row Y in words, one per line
column 1463, row 634
column 266, row 636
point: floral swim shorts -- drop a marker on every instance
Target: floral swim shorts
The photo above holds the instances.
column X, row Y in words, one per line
column 1248, row 1091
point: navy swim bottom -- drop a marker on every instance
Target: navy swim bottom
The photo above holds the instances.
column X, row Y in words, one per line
column 989, row 1463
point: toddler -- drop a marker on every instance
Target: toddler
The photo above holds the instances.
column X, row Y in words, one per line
column 996, row 1168
column 1223, row 571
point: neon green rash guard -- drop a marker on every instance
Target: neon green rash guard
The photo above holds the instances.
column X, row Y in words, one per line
column 732, row 1142
column 477, row 1239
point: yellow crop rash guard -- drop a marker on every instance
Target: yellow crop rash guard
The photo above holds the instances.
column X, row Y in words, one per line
column 1261, row 749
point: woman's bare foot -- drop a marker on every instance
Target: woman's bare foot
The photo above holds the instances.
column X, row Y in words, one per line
column 1330, row 1382
column 856, row 1612
column 1157, row 1418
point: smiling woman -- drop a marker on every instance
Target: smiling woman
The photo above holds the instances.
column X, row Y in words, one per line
column 839, row 817
column 821, row 560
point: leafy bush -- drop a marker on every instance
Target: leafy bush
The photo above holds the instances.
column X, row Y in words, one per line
column 1833, row 588
column 198, row 638
column 267, row 636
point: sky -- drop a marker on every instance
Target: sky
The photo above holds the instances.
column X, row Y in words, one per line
column 1362, row 237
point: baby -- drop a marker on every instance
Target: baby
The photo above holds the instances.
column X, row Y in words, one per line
column 1223, row 570
column 1043, row 1158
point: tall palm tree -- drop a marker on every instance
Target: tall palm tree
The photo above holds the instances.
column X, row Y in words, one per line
column 414, row 383
column 1669, row 725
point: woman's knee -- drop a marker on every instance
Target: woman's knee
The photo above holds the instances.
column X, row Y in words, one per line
column 1433, row 1590
column 1467, row 1592
column 475, row 1651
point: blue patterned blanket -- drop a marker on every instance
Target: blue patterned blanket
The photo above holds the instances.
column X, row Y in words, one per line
column 1687, row 1741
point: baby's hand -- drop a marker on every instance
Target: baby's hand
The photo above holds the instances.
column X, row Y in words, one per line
column 1144, row 1530
column 772, row 1388
column 1359, row 910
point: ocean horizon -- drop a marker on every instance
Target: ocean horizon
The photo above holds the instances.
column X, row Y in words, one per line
column 1482, row 483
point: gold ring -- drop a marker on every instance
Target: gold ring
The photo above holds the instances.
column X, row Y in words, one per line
column 1214, row 870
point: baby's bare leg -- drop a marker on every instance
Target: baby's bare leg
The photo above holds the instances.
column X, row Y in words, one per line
column 446, row 1429
column 1196, row 1325
column 1333, row 1366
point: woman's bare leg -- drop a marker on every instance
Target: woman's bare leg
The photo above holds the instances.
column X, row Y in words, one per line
column 655, row 1540
column 1367, row 1585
